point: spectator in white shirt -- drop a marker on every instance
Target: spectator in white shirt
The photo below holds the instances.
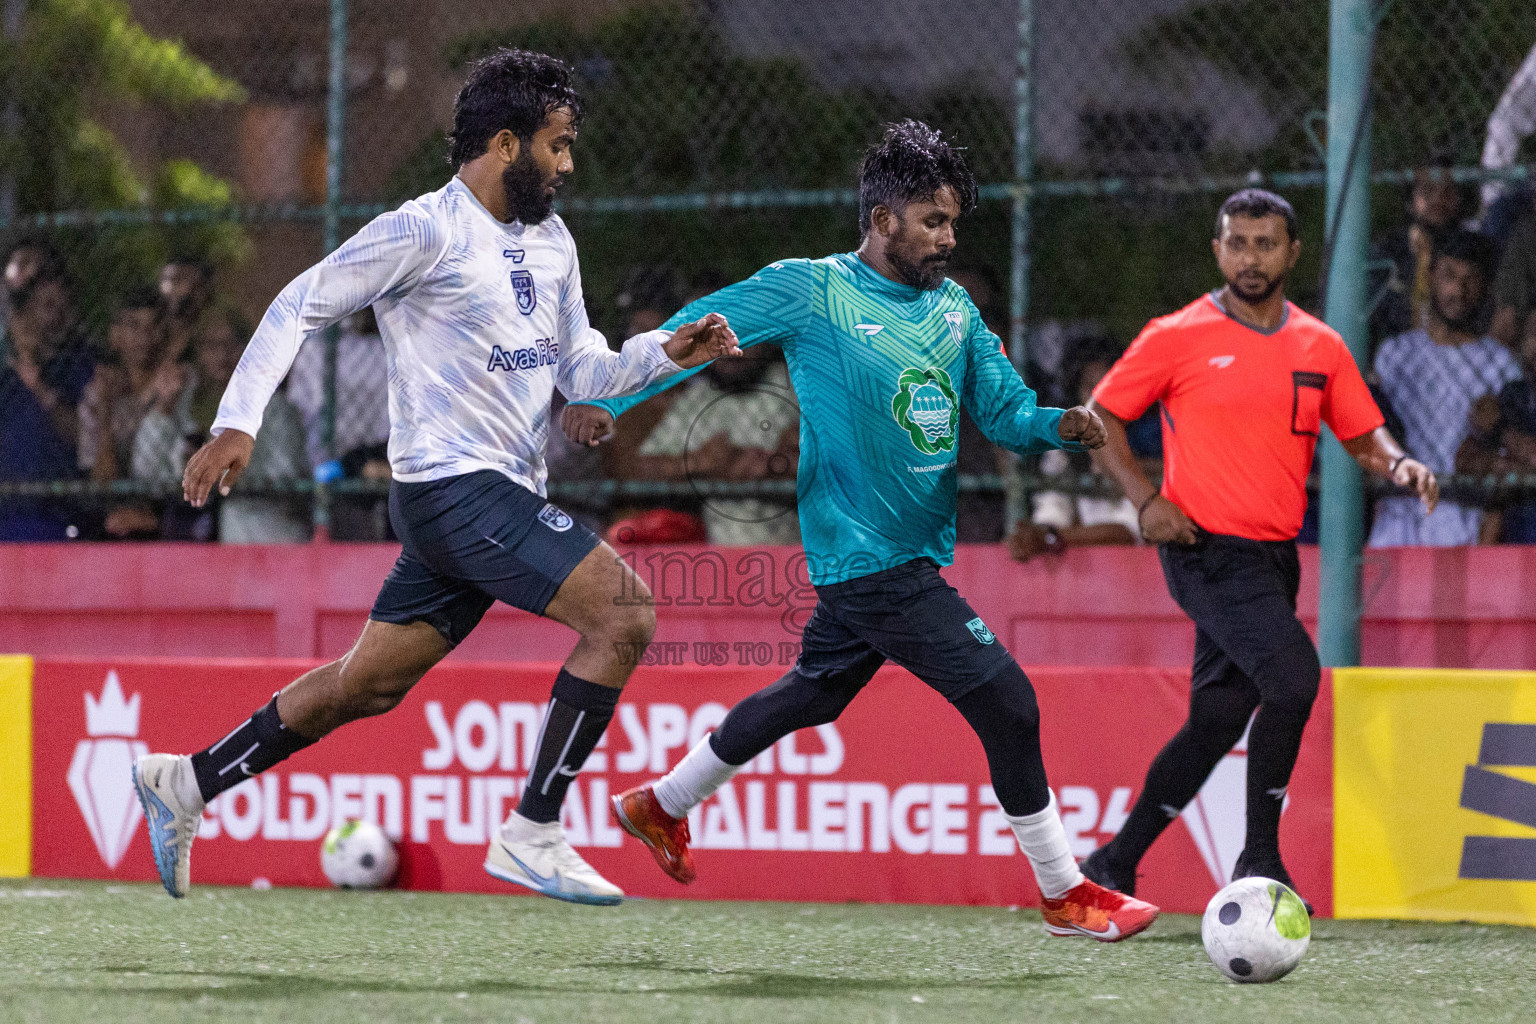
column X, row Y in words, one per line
column 1433, row 377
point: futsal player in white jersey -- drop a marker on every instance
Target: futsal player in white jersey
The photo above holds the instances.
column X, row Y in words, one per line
column 478, row 297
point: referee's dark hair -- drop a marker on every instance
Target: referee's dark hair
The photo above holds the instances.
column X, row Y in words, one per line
column 1257, row 202
column 910, row 165
column 512, row 89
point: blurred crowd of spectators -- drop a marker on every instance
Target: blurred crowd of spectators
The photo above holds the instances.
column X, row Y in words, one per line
column 1452, row 364
column 135, row 404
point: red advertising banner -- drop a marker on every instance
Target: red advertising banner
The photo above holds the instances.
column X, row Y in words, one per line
column 890, row 803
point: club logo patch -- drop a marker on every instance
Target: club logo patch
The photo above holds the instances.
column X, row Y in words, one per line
column 555, row 519
column 522, row 287
column 955, row 319
column 925, row 407
column 980, row 631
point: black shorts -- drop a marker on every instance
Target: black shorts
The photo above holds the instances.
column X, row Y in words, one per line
column 470, row 540
column 1241, row 594
column 909, row 615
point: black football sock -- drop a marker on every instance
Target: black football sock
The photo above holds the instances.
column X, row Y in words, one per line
column 1218, row 715
column 1272, row 748
column 578, row 713
column 1006, row 717
column 1289, row 684
column 260, row 742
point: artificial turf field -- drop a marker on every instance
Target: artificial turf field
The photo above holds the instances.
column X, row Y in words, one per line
column 86, row 951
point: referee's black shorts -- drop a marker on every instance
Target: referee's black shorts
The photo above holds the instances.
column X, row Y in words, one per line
column 469, row 541
column 1241, row 595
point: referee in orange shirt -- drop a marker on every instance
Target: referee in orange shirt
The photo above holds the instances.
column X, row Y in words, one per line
column 1245, row 379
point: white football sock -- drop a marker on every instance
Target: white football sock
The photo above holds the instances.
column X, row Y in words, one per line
column 1044, row 842
column 694, row 780
column 184, row 784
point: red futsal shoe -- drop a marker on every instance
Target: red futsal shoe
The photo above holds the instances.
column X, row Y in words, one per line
column 1097, row 912
column 642, row 816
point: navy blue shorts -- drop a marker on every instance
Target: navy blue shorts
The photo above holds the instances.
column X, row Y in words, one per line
column 470, row 540
column 909, row 615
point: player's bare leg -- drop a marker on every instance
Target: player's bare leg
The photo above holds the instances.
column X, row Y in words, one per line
column 370, row 679
column 608, row 605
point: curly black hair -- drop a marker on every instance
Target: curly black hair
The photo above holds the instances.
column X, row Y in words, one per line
column 910, row 165
column 512, row 89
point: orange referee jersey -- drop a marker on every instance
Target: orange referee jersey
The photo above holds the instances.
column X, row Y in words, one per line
column 1241, row 411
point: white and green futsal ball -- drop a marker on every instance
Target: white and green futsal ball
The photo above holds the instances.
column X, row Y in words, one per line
column 1255, row 930
column 358, row 855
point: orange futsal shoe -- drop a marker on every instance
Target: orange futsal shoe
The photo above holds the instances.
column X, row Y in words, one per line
column 1097, row 912
column 642, row 816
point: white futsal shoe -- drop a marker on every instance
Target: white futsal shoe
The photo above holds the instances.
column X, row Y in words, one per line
column 172, row 820
column 537, row 855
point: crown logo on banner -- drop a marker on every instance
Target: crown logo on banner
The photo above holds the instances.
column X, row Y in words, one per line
column 100, row 773
column 111, row 715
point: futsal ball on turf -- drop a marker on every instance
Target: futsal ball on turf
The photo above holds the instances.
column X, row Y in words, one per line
column 1256, row 929
column 358, row 855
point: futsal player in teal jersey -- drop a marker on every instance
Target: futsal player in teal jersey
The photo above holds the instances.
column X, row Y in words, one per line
column 883, row 351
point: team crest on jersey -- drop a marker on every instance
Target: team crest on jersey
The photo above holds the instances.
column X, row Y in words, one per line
column 522, row 287
column 925, row 407
column 955, row 319
column 555, row 519
column 980, row 631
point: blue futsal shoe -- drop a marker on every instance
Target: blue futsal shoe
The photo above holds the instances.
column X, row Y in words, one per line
column 172, row 824
column 537, row 855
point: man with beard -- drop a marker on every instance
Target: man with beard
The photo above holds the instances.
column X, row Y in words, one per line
column 478, row 297
column 883, row 351
column 1245, row 380
column 1435, row 378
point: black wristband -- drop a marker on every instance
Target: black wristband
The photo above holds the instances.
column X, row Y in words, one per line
column 1150, row 499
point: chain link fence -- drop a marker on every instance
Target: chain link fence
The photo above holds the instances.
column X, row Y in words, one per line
column 212, row 159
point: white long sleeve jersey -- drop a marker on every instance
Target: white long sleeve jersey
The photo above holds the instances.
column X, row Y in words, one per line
column 480, row 321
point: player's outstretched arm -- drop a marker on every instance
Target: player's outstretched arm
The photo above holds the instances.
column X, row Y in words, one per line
column 1007, row 411
column 388, row 254
column 704, row 340
column 768, row 307
column 1081, row 425
column 220, row 461
column 1378, row 452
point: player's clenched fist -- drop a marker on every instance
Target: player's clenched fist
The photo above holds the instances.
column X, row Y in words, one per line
column 707, row 338
column 220, row 461
column 586, row 425
column 1082, row 425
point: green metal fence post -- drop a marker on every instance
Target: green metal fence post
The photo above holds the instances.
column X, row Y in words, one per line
column 1351, row 26
column 1023, row 174
column 335, row 136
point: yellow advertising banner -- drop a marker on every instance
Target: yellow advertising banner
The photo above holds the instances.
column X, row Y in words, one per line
column 1435, row 794
column 15, row 766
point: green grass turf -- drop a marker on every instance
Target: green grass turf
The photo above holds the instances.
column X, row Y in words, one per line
column 80, row 951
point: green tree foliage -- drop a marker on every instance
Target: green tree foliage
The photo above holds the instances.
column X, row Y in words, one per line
column 72, row 60
column 1440, row 68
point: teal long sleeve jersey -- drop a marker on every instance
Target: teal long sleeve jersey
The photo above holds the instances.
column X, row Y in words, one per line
column 881, row 370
